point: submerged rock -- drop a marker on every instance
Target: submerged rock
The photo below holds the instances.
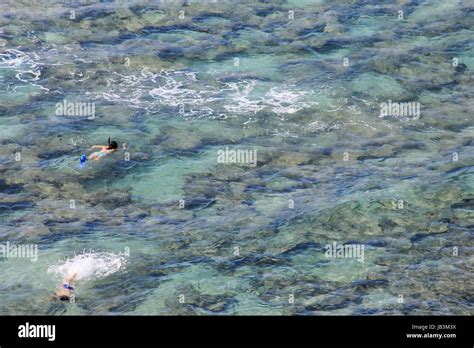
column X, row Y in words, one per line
column 187, row 301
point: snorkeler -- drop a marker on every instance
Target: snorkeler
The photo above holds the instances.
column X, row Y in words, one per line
column 104, row 150
column 66, row 290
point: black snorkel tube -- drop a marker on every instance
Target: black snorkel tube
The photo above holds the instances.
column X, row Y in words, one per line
column 112, row 145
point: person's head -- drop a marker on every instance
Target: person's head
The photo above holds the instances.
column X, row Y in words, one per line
column 113, row 145
column 60, row 298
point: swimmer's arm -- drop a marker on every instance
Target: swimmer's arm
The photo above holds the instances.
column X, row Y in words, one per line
column 71, row 278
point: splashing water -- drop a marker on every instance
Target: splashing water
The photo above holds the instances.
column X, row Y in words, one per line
column 90, row 265
column 195, row 98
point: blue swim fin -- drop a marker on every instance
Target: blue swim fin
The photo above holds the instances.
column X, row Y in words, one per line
column 83, row 160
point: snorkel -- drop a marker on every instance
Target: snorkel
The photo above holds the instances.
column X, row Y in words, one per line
column 112, row 145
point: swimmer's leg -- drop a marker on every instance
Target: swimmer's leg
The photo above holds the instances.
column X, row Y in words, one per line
column 99, row 155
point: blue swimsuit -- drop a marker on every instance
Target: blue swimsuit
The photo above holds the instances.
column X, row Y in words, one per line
column 68, row 287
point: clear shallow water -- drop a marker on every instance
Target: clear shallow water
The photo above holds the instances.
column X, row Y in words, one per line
column 173, row 90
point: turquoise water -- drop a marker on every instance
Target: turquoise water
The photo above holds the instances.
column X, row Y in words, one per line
column 177, row 88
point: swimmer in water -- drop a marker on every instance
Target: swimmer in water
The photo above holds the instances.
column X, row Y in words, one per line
column 66, row 291
column 104, row 150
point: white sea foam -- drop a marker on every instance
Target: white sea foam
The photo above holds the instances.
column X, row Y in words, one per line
column 25, row 65
column 196, row 98
column 13, row 58
column 240, row 100
column 287, row 99
column 90, row 265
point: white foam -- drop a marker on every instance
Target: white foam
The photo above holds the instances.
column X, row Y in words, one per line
column 90, row 265
column 287, row 100
column 194, row 98
column 12, row 58
column 26, row 66
column 240, row 98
